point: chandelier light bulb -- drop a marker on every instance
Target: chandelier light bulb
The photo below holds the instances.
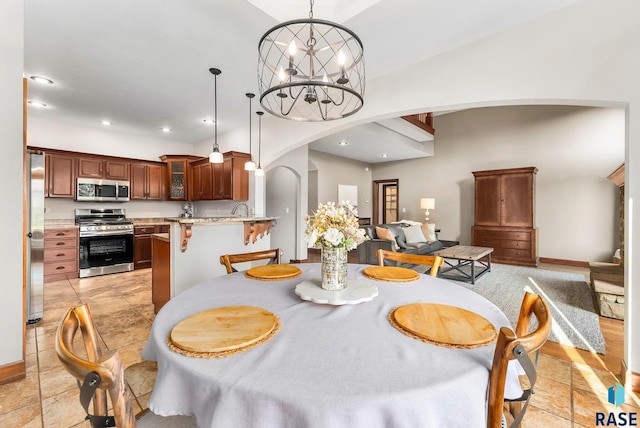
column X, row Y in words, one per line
column 341, row 59
column 293, row 48
column 282, row 75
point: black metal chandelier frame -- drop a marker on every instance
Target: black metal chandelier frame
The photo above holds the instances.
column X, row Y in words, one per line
column 322, row 78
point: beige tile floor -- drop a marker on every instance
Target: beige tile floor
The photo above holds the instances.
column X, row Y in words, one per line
column 568, row 393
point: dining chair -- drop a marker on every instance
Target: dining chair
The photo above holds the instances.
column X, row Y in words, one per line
column 227, row 260
column 517, row 346
column 416, row 259
column 100, row 375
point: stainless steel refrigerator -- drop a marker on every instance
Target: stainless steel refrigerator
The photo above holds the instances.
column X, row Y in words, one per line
column 35, row 239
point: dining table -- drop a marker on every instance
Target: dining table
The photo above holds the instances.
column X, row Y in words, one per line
column 339, row 364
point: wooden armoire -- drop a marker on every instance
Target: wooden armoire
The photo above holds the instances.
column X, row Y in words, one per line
column 504, row 215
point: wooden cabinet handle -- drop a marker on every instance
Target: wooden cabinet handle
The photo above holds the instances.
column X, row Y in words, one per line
column 60, row 255
column 60, row 268
column 60, row 243
column 60, row 234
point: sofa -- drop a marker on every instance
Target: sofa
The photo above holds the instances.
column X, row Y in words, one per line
column 400, row 242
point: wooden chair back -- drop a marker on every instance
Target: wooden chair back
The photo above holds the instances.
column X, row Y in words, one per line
column 91, row 362
column 510, row 346
column 434, row 261
column 228, row 260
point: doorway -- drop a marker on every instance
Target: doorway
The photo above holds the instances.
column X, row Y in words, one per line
column 385, row 201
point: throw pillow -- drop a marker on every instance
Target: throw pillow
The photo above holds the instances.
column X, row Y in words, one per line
column 413, row 234
column 429, row 231
column 385, row 234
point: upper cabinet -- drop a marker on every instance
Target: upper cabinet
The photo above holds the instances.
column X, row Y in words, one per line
column 178, row 176
column 233, row 180
column 201, row 182
column 60, row 176
column 98, row 167
column 148, row 181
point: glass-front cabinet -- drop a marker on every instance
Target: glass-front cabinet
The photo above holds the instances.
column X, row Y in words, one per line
column 177, row 173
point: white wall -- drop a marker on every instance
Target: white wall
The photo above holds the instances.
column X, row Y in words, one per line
column 574, row 149
column 334, row 170
column 281, row 200
column 11, row 173
column 65, row 136
column 297, row 163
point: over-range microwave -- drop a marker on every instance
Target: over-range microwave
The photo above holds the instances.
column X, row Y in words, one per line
column 91, row 189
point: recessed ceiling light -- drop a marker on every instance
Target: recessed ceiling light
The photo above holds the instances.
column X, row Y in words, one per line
column 166, row 129
column 208, row 121
column 42, row 80
column 384, row 155
column 106, row 122
column 36, row 103
column 343, row 143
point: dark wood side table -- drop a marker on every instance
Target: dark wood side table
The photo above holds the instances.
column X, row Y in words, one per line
column 447, row 244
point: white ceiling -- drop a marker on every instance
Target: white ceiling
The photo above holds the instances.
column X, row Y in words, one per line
column 144, row 64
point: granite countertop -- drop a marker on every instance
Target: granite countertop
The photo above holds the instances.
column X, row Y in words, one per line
column 59, row 224
column 155, row 221
column 161, row 237
column 215, row 220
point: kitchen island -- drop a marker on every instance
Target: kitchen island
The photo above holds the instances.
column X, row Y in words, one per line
column 189, row 254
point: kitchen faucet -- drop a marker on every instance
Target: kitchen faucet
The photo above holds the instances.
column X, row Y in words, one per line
column 233, row 211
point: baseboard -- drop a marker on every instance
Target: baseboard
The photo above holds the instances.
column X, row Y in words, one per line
column 12, row 372
column 575, row 263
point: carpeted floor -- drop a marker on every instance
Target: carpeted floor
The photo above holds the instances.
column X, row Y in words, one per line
column 575, row 321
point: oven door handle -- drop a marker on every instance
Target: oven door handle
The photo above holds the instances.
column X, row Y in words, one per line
column 93, row 234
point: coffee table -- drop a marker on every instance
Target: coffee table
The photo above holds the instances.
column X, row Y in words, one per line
column 465, row 262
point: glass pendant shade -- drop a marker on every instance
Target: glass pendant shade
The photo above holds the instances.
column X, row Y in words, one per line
column 259, row 172
column 311, row 70
column 215, row 156
column 250, row 165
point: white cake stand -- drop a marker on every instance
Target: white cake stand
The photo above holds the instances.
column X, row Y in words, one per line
column 357, row 291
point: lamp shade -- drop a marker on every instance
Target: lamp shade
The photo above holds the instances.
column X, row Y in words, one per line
column 427, row 203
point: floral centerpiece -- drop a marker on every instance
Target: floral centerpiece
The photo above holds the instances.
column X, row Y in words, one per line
column 334, row 229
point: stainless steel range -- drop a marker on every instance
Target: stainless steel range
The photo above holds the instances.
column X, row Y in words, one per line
column 106, row 241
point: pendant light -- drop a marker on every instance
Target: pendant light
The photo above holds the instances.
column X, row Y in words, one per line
column 259, row 170
column 215, row 156
column 311, row 70
column 250, row 165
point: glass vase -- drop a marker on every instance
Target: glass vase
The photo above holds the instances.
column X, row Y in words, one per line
column 334, row 268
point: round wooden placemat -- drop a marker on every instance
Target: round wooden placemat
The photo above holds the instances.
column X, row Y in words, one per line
column 222, row 331
column 391, row 273
column 273, row 272
column 443, row 325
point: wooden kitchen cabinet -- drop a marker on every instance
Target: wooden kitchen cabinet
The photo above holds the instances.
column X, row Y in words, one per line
column 142, row 244
column 160, row 273
column 504, row 215
column 232, row 180
column 147, row 181
column 60, row 254
column 201, row 184
column 178, row 176
column 100, row 168
column 60, row 176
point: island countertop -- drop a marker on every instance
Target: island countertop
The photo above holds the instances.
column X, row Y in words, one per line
column 216, row 219
column 254, row 227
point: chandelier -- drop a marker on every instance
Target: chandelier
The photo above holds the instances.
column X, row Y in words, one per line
column 311, row 70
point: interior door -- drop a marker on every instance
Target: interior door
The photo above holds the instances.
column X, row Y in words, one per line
column 386, row 196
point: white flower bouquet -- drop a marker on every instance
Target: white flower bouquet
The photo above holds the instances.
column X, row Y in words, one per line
column 334, row 226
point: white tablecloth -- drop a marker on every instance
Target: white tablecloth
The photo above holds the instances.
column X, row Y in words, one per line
column 328, row 366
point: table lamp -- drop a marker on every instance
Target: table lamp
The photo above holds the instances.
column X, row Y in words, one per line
column 427, row 204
